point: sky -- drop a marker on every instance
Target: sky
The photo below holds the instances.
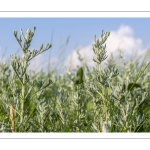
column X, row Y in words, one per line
column 67, row 35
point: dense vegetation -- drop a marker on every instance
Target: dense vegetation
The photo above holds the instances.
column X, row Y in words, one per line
column 115, row 98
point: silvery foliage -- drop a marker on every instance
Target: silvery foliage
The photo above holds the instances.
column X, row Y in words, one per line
column 98, row 100
column 20, row 64
column 115, row 106
column 22, row 86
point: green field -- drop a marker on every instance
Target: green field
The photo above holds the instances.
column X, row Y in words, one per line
column 114, row 98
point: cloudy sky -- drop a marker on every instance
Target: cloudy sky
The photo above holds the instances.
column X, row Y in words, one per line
column 68, row 35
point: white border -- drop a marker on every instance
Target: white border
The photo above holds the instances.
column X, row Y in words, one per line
column 74, row 14
column 79, row 144
column 74, row 5
column 74, row 141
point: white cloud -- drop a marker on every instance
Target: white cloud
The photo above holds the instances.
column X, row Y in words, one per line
column 36, row 63
column 41, row 62
column 122, row 39
column 85, row 52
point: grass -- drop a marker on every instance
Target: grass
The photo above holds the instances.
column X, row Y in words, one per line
column 114, row 98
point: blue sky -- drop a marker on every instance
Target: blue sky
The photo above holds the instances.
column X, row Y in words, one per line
column 81, row 33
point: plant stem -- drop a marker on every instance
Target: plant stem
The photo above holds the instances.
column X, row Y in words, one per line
column 23, row 99
column 12, row 118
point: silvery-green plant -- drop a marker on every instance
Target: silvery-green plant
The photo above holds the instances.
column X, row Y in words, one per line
column 104, row 99
column 26, row 88
column 115, row 105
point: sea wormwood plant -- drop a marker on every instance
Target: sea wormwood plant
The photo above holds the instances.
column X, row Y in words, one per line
column 101, row 85
column 85, row 100
column 26, row 88
column 116, row 106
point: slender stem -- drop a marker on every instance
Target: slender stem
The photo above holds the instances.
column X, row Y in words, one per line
column 23, row 96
